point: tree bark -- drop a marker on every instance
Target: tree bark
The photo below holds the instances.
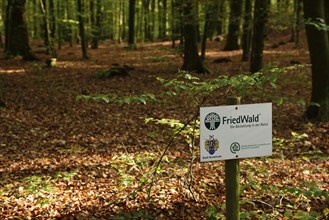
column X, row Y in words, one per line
column 48, row 40
column 83, row 39
column 209, row 19
column 52, row 19
column 246, row 36
column 234, row 26
column 95, row 14
column 192, row 60
column 45, row 25
column 213, row 17
column 162, row 5
column 326, row 11
column 219, row 20
column 319, row 54
column 131, row 24
column 260, row 19
column 17, row 39
column 1, row 42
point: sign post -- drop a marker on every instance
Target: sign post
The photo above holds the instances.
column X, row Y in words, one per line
column 233, row 132
column 232, row 179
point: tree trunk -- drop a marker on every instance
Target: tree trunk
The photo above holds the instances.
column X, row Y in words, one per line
column 45, row 25
column 260, row 19
column 206, row 31
column 17, row 39
column 297, row 22
column 295, row 26
column 124, row 32
column 153, row 20
column 60, row 26
column 52, row 19
column 162, row 7
column 234, row 26
column 49, row 44
column 219, row 20
column 326, row 11
column 246, row 36
column 192, row 60
column 173, row 25
column 121, row 23
column 131, row 23
column 1, row 42
column 95, row 22
column 3, row 15
column 319, row 54
column 147, row 34
column 213, row 17
column 83, row 39
column 36, row 25
column 6, row 24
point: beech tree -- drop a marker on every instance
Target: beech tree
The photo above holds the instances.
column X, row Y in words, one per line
column 83, row 39
column 246, row 36
column 260, row 18
column 317, row 39
column 95, row 18
column 192, row 60
column 131, row 23
column 234, row 26
column 17, row 38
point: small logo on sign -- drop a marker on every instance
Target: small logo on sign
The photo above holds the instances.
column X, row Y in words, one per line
column 211, row 144
column 212, row 121
column 235, row 147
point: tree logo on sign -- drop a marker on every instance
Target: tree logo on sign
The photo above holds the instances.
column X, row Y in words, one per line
column 212, row 121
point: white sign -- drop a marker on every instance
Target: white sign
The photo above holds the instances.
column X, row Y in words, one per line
column 235, row 131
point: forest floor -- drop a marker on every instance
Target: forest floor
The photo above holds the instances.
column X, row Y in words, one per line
column 63, row 158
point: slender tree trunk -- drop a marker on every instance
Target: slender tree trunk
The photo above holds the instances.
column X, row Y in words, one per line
column 260, row 19
column 206, row 30
column 298, row 19
column 45, row 25
column 173, row 24
column 121, row 22
column 60, row 25
column 146, row 19
column 1, row 42
column 52, row 19
column 219, row 20
column 6, row 24
column 213, row 17
column 153, row 19
column 49, row 44
column 95, row 14
column 319, row 53
column 131, row 23
column 17, row 38
column 164, row 20
column 160, row 14
column 36, row 22
column 92, row 22
column 232, row 42
column 83, row 39
column 192, row 60
column 3, row 15
column 326, row 11
column 246, row 36
column 124, row 21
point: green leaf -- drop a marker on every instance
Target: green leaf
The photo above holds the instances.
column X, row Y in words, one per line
column 279, row 101
column 126, row 183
